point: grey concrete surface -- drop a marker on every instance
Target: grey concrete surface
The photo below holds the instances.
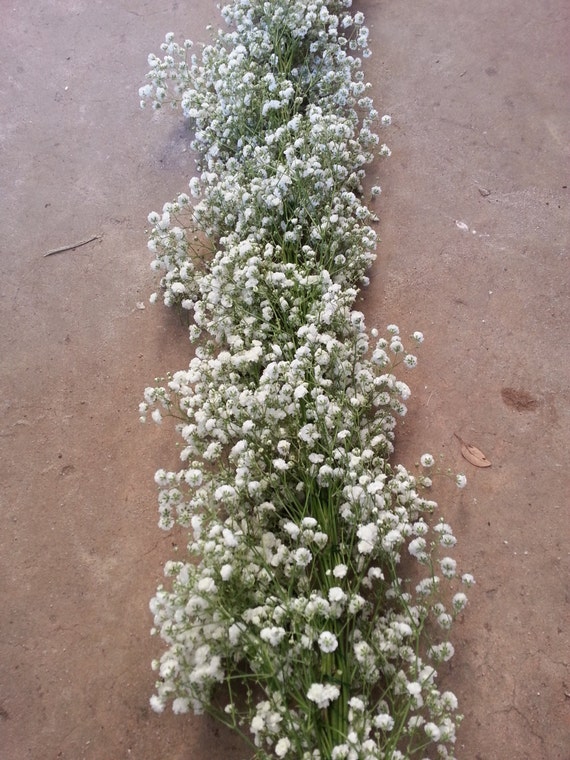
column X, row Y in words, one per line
column 475, row 228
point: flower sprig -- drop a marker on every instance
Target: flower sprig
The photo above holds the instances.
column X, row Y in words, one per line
column 318, row 592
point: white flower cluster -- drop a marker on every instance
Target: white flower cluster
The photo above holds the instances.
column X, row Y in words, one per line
column 283, row 130
column 290, row 604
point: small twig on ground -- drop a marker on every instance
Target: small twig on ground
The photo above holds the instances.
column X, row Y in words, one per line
column 72, row 246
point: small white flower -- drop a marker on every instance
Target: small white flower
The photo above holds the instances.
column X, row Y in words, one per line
column 426, row 460
column 302, row 556
column 357, row 704
column 320, row 539
column 180, row 705
column 206, row 586
column 327, row 642
column 417, row 548
column 368, row 535
column 447, row 540
column 392, row 539
column 432, row 731
column 273, row 635
column 414, row 688
column 270, row 105
column 157, row 704
column 356, row 604
column 375, row 573
column 461, row 481
column 301, row 391
column 234, row 633
column 386, row 120
column 467, row 579
column 442, row 652
column 336, row 594
column 384, row 721
column 459, row 601
column 323, row 694
column 449, row 700
column 292, row 529
column 445, row 620
column 448, row 567
column 340, row 571
column 282, row 747
column 193, row 477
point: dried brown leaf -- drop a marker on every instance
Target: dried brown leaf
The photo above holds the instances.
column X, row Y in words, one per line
column 472, row 454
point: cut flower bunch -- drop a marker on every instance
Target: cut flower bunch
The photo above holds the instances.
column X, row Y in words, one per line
column 294, row 617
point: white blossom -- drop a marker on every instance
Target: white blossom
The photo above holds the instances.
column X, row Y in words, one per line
column 327, row 642
column 323, row 694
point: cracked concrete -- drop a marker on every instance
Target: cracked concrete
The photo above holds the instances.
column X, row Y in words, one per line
column 475, row 228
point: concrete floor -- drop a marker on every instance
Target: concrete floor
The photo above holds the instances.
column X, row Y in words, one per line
column 475, row 228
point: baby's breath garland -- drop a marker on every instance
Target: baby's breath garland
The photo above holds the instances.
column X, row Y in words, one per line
column 290, row 619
